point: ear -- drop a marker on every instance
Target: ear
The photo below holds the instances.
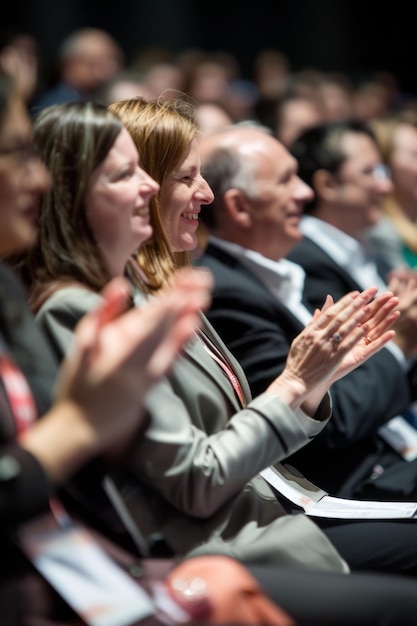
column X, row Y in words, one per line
column 238, row 207
column 324, row 184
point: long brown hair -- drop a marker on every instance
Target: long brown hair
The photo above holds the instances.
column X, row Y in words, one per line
column 72, row 139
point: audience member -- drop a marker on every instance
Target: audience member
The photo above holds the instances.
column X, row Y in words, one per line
column 294, row 114
column 87, row 58
column 197, row 492
column 335, row 95
column 19, row 59
column 258, row 308
column 125, row 84
column 211, row 116
column 341, row 162
column 395, row 235
column 97, row 380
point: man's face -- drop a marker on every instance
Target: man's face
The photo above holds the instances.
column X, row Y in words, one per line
column 279, row 196
column 360, row 185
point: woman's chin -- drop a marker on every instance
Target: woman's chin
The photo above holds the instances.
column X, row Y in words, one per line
column 187, row 243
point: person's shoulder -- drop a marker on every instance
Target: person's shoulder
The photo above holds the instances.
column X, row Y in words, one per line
column 73, row 296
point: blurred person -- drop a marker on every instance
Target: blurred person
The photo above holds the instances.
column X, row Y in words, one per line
column 164, row 79
column 376, row 95
column 197, row 418
column 77, row 408
column 294, row 114
column 395, row 236
column 125, row 84
column 19, row 58
column 87, row 58
column 211, row 116
column 341, row 162
column 258, row 307
column 271, row 70
column 335, row 95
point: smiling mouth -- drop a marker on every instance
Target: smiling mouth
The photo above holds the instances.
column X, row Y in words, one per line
column 190, row 216
column 142, row 212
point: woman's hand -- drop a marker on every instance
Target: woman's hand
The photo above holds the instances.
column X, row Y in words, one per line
column 340, row 337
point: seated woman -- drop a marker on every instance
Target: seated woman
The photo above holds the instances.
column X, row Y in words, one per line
column 99, row 377
column 193, row 475
column 395, row 235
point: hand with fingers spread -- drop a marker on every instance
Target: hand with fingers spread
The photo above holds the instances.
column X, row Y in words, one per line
column 115, row 360
column 339, row 338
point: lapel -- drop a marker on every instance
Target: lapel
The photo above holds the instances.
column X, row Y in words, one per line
column 195, row 352
column 251, row 284
column 307, row 247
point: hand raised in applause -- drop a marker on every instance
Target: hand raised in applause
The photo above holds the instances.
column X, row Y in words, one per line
column 338, row 339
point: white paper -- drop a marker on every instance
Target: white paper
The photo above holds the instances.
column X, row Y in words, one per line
column 339, row 508
column 363, row 509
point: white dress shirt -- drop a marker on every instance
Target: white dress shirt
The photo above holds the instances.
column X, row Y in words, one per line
column 283, row 278
column 354, row 257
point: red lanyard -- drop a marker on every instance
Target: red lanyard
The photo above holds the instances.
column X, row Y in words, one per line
column 220, row 359
column 18, row 393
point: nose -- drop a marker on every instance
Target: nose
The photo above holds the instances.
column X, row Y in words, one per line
column 205, row 194
column 385, row 186
column 37, row 177
column 302, row 191
column 382, row 178
column 148, row 186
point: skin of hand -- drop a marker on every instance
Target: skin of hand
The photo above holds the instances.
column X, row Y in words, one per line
column 315, row 361
column 21, row 66
column 115, row 359
column 404, row 286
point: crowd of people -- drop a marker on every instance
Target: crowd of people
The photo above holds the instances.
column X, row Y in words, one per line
column 202, row 278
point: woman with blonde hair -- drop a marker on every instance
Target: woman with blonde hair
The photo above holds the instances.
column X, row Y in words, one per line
column 395, row 235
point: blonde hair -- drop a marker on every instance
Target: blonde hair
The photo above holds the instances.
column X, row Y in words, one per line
column 385, row 130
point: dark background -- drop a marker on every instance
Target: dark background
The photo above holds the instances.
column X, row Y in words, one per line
column 353, row 36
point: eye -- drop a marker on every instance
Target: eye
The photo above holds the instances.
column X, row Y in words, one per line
column 126, row 174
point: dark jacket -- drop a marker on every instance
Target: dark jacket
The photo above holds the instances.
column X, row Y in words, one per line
column 258, row 330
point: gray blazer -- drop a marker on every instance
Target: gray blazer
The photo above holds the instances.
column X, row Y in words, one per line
column 196, row 465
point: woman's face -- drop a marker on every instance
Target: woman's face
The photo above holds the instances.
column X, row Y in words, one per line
column 117, row 203
column 181, row 197
column 23, row 181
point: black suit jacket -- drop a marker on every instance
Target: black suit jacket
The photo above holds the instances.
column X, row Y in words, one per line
column 258, row 329
column 323, row 275
column 26, row 491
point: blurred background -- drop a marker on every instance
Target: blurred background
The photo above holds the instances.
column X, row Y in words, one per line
column 265, row 48
column 344, row 35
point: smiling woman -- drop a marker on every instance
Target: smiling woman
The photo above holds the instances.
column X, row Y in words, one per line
column 103, row 205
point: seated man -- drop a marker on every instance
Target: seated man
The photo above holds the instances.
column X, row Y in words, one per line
column 258, row 309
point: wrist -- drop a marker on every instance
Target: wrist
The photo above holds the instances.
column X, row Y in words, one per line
column 290, row 390
column 62, row 441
